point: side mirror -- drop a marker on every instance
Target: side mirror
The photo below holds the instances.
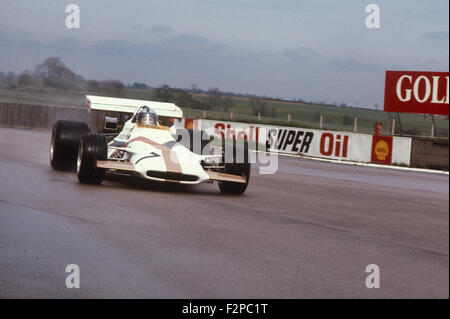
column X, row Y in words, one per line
column 111, row 124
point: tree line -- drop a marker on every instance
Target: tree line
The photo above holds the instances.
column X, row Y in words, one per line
column 53, row 73
column 214, row 101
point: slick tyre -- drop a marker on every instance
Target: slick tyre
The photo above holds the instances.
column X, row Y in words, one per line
column 236, row 167
column 92, row 148
column 66, row 136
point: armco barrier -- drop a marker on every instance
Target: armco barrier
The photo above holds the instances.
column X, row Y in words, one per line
column 38, row 116
column 430, row 153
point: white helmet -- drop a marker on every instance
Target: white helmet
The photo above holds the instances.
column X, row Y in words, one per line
column 147, row 116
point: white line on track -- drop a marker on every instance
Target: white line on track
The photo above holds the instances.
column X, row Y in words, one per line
column 412, row 169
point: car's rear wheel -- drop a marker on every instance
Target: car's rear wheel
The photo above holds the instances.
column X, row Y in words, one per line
column 92, row 148
column 64, row 144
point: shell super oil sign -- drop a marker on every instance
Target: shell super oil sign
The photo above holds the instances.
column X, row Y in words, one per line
column 382, row 149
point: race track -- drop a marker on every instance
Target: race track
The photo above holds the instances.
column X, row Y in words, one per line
column 308, row 231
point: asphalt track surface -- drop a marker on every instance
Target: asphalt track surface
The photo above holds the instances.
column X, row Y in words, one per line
column 308, row 231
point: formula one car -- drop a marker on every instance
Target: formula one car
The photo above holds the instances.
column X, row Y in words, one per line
column 140, row 145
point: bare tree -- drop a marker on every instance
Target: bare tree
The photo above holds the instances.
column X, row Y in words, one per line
column 258, row 106
column 227, row 103
column 53, row 73
column 10, row 78
column 115, row 87
column 25, row 79
column 164, row 93
column 214, row 99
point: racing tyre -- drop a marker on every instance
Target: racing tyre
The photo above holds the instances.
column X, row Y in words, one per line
column 64, row 144
column 236, row 168
column 91, row 148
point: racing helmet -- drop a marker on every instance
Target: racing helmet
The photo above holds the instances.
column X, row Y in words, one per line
column 147, row 116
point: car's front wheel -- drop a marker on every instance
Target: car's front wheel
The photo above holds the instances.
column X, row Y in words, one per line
column 233, row 187
column 64, row 143
column 92, row 148
column 239, row 165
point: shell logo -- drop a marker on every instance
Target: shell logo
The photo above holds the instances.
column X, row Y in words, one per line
column 382, row 150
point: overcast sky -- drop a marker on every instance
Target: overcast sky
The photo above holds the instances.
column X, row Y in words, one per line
column 317, row 50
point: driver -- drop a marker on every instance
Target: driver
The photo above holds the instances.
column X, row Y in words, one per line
column 147, row 116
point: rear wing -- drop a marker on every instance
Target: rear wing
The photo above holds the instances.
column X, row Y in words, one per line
column 110, row 104
column 109, row 114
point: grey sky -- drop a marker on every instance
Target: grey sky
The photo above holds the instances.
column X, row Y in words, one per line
column 318, row 50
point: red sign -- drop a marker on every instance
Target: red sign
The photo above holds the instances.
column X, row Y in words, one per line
column 226, row 132
column 416, row 92
column 382, row 149
column 327, row 145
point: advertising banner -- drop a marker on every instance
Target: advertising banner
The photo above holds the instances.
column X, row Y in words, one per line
column 417, row 92
column 344, row 146
column 382, row 149
column 290, row 140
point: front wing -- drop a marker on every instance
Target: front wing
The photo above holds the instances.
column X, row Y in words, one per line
column 168, row 176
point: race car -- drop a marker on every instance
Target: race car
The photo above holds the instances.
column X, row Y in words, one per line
column 140, row 145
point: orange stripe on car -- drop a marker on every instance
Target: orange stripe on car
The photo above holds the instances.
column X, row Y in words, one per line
column 167, row 154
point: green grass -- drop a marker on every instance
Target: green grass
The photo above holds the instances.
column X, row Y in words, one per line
column 338, row 118
column 302, row 115
column 42, row 96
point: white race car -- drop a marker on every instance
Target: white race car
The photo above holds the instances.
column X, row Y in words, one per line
column 144, row 148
